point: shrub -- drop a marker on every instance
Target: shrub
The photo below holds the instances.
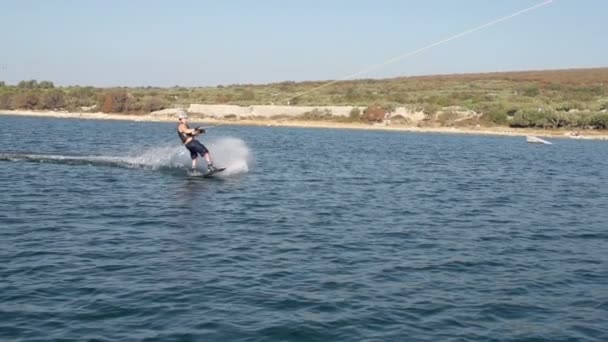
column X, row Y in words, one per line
column 355, row 114
column 82, row 97
column 353, row 95
column 5, row 101
column 492, row 113
column 583, row 93
column 223, row 98
column 25, row 100
column 302, row 99
column 442, row 101
column 133, row 105
column 525, row 118
column 540, row 119
column 429, row 111
column 599, row 120
column 400, row 120
column 555, row 87
column 317, row 114
column 153, row 103
column 495, row 118
column 582, row 120
column 557, row 119
column 31, row 84
column 114, row 101
column 374, row 113
column 390, row 107
column 568, row 106
column 400, row 98
column 447, row 118
column 46, row 85
column 286, row 86
column 53, row 99
column 530, row 91
column 247, row 95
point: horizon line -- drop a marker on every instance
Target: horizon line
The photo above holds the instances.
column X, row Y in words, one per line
column 479, row 73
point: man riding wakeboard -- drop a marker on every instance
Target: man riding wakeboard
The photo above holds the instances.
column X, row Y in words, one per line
column 187, row 134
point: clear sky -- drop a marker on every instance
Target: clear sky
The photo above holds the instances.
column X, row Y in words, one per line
column 206, row 43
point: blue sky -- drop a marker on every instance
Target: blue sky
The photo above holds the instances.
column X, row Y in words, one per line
column 206, row 43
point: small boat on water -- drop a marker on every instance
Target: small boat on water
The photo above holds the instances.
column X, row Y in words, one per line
column 537, row 140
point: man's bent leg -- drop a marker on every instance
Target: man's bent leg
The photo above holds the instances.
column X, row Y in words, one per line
column 208, row 158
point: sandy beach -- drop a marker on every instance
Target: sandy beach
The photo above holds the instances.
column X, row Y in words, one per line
column 499, row 131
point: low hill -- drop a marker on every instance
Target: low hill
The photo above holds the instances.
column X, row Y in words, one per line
column 548, row 98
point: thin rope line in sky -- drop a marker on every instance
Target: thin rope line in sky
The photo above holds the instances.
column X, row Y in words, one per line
column 430, row 46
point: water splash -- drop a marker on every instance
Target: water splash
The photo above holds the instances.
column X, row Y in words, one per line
column 228, row 152
column 231, row 153
column 168, row 156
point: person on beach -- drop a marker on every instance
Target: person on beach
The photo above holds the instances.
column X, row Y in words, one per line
column 187, row 134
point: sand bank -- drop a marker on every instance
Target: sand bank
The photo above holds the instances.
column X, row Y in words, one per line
column 504, row 131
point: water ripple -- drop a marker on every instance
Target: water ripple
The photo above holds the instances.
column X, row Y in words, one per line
column 422, row 237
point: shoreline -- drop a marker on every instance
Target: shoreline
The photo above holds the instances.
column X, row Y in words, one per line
column 495, row 131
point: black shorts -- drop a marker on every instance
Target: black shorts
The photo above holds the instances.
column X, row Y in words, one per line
column 196, row 148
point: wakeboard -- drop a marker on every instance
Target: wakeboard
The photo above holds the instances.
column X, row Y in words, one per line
column 211, row 173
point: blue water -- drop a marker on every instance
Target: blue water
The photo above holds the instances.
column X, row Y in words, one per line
column 309, row 235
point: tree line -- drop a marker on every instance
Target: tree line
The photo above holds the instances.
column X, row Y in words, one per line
column 562, row 99
column 34, row 95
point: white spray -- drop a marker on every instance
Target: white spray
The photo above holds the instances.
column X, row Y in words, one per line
column 228, row 152
column 231, row 153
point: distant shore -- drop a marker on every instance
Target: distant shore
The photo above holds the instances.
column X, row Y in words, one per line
column 499, row 131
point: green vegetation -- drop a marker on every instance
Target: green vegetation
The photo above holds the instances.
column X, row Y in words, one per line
column 540, row 99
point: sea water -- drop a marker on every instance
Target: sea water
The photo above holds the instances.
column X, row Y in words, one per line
column 309, row 235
